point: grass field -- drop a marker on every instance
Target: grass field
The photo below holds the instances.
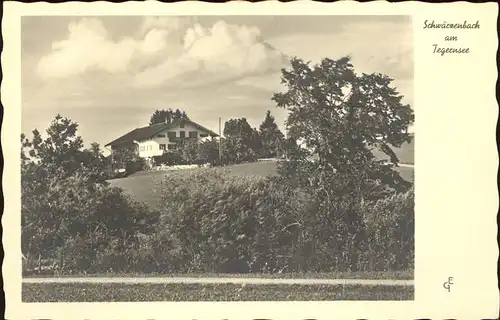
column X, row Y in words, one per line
column 113, row 292
column 146, row 186
column 392, row 275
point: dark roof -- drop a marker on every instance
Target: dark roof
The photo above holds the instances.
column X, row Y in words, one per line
column 149, row 131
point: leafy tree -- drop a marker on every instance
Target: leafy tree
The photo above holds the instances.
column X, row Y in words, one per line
column 234, row 150
column 339, row 116
column 271, row 137
column 208, row 151
column 124, row 155
column 336, row 117
column 167, row 116
column 61, row 152
column 241, row 141
column 77, row 222
column 190, row 151
column 95, row 162
column 238, row 128
column 66, row 203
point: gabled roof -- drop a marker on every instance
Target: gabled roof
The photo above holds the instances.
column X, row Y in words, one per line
column 150, row 131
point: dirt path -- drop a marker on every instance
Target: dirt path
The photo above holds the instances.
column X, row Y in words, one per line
column 187, row 280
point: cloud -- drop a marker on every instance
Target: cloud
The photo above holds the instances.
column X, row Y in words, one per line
column 223, row 51
column 165, row 23
column 165, row 52
column 85, row 48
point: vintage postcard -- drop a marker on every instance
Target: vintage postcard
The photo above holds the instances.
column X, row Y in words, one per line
column 250, row 160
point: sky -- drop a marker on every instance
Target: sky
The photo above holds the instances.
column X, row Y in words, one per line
column 110, row 74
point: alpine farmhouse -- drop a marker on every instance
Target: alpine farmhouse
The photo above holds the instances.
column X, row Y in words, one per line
column 156, row 139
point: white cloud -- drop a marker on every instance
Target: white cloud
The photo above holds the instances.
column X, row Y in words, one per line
column 90, row 48
column 165, row 51
column 166, row 23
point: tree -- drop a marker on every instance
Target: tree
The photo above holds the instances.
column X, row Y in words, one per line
column 95, row 162
column 124, row 155
column 189, row 149
column 167, row 116
column 271, row 136
column 208, row 152
column 47, row 162
column 66, row 203
column 238, row 128
column 339, row 116
column 335, row 118
column 241, row 141
column 61, row 152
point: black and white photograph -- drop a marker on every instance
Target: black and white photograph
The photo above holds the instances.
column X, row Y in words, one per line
column 217, row 158
column 248, row 161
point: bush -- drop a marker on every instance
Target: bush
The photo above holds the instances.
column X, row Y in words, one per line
column 390, row 226
column 169, row 158
column 222, row 223
column 208, row 152
column 213, row 222
column 76, row 224
column 235, row 150
column 136, row 165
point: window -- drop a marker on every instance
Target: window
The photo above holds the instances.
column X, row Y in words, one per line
column 172, row 146
column 171, row 134
column 161, row 136
column 203, row 135
column 193, row 134
column 162, row 146
column 141, row 148
column 182, row 125
column 183, row 134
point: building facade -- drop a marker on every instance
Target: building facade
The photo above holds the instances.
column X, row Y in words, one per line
column 148, row 142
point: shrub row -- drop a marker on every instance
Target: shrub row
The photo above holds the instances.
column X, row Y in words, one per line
column 189, row 152
column 73, row 225
column 213, row 222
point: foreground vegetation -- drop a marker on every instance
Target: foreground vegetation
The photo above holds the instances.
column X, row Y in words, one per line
column 213, row 222
column 208, row 292
column 146, row 186
column 346, row 211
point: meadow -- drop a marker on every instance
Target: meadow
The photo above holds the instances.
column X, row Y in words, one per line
column 363, row 275
column 147, row 185
column 112, row 292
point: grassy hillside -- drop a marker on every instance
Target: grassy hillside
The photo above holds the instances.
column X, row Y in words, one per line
column 146, row 186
